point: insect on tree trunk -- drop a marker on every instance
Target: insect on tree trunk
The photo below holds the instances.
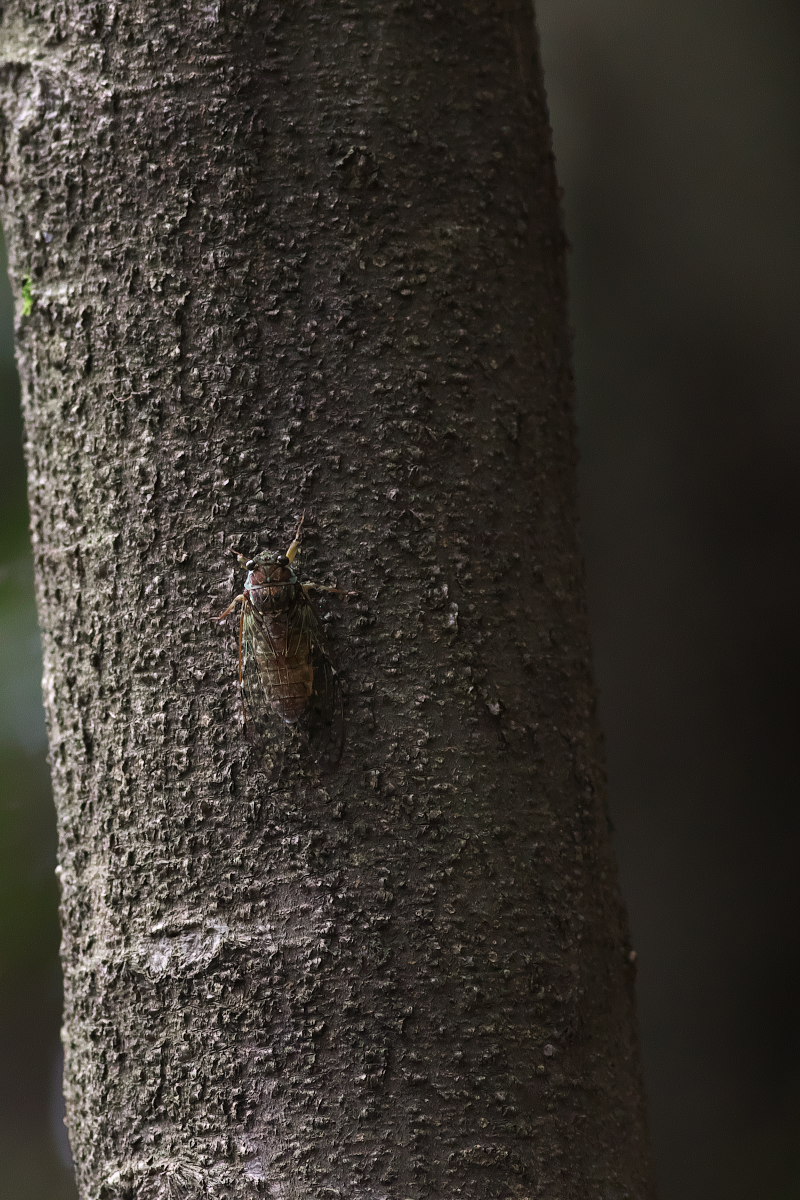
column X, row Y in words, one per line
column 307, row 256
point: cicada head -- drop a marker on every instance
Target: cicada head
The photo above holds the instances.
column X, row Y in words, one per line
column 271, row 583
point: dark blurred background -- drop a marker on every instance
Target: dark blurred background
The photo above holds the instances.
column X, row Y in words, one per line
column 676, row 130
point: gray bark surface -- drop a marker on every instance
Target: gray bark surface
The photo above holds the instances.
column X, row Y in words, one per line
column 307, row 256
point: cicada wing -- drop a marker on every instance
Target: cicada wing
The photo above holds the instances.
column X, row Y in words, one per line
column 325, row 715
column 318, row 734
column 326, row 725
column 261, row 671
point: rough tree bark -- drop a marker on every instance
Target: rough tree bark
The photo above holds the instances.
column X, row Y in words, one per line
column 301, row 255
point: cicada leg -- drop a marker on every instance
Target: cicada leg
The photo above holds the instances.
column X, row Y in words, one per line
column 291, row 553
column 238, row 600
column 325, row 587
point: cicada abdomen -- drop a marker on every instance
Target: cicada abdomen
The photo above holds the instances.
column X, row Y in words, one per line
column 285, row 672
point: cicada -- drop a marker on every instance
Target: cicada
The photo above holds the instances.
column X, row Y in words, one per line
column 285, row 672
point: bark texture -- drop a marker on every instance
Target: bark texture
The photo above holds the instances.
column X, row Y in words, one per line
column 301, row 255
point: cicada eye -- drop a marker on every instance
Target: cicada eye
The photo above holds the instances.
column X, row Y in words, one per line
column 250, row 565
column 282, row 560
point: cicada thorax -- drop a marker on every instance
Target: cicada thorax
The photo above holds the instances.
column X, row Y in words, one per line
column 271, row 587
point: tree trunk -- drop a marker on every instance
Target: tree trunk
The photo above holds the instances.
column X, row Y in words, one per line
column 304, row 256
